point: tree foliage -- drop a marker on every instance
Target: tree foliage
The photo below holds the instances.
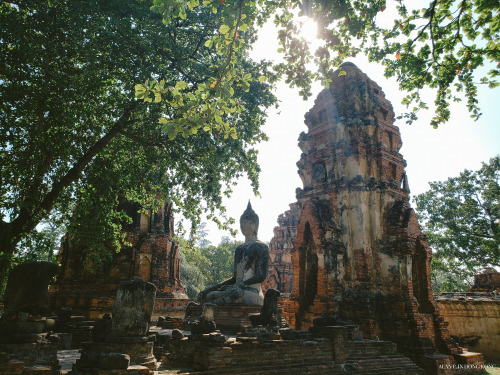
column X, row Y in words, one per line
column 73, row 131
column 461, row 218
column 155, row 100
column 441, row 45
column 203, row 264
column 449, row 275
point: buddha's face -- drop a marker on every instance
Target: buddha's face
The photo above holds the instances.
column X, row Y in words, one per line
column 249, row 227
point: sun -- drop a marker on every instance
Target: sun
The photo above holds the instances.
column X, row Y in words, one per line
column 309, row 30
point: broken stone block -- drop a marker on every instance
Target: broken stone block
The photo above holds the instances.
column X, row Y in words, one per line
column 268, row 313
column 132, row 308
column 206, row 323
column 114, row 361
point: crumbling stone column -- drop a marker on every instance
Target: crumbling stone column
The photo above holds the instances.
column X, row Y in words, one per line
column 126, row 347
column 132, row 308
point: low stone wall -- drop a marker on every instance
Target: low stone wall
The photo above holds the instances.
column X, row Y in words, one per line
column 474, row 321
column 172, row 307
column 332, row 350
column 92, row 307
column 318, row 355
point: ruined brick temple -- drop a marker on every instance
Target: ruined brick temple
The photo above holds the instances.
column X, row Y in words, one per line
column 352, row 242
column 153, row 256
column 280, row 275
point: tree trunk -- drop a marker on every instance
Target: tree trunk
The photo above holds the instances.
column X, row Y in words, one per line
column 29, row 217
column 7, row 248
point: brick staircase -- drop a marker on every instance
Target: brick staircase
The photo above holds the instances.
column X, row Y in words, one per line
column 380, row 357
column 330, row 350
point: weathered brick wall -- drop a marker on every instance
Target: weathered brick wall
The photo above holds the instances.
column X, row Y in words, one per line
column 474, row 321
column 153, row 256
column 267, row 355
column 280, row 275
column 324, row 350
column 487, row 281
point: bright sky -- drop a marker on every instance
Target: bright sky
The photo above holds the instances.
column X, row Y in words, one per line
column 431, row 154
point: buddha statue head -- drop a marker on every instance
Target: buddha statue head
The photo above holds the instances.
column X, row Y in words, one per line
column 249, row 222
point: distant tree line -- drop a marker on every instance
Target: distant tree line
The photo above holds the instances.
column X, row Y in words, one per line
column 203, row 264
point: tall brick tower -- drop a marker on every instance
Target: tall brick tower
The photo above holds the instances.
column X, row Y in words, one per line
column 359, row 252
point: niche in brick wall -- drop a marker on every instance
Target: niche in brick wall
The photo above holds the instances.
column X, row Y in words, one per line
column 308, row 275
column 144, row 270
column 319, row 173
column 420, row 279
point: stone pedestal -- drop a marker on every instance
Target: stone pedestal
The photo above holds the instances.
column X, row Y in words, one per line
column 121, row 345
column 132, row 309
column 234, row 317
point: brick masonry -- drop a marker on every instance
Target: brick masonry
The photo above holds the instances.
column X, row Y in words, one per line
column 358, row 251
column 153, row 256
column 329, row 350
column 474, row 316
column 280, row 274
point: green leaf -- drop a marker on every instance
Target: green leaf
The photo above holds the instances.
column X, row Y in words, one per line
column 224, row 29
column 262, row 78
column 180, row 85
column 139, row 88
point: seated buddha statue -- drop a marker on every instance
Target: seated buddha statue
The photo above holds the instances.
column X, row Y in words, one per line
column 251, row 261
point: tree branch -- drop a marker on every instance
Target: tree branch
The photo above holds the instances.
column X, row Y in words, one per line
column 29, row 218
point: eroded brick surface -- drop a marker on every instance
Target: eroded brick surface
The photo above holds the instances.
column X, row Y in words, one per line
column 358, row 251
column 326, row 351
column 487, row 281
column 280, row 274
column 152, row 256
column 474, row 321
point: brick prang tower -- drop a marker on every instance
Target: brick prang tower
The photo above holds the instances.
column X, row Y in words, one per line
column 359, row 252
